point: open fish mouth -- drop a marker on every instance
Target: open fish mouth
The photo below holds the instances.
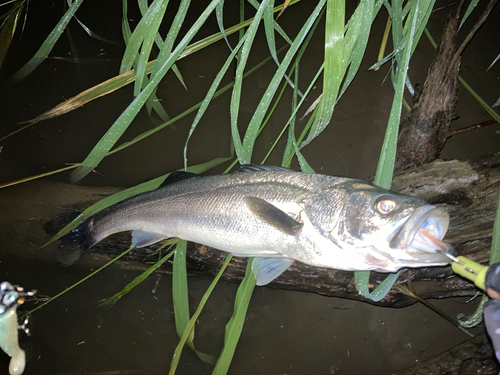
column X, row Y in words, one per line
column 421, row 236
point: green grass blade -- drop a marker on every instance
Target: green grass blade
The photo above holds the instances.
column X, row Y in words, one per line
column 493, row 63
column 145, row 51
column 180, row 291
column 210, row 95
column 48, row 44
column 219, row 14
column 256, row 121
column 143, row 135
column 385, row 167
column 77, row 283
column 181, row 300
column 287, row 158
column 470, row 8
column 190, row 326
column 238, row 80
column 336, row 59
column 9, row 26
column 124, row 79
column 480, row 100
column 121, row 124
column 110, row 301
column 168, row 44
column 363, row 17
column 147, row 22
column 235, row 324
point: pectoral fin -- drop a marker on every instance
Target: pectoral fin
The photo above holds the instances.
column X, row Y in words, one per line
column 143, row 239
column 267, row 269
column 273, row 216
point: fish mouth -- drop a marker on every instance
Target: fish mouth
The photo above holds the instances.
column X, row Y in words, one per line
column 421, row 236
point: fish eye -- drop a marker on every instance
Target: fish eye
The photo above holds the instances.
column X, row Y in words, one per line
column 385, row 205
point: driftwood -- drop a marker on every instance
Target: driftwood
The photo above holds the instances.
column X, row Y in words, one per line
column 472, row 357
column 468, row 190
column 425, row 129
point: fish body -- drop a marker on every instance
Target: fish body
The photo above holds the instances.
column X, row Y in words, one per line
column 281, row 216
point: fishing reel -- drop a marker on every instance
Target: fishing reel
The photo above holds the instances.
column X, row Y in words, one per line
column 11, row 296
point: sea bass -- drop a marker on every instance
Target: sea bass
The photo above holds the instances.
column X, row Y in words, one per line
column 280, row 216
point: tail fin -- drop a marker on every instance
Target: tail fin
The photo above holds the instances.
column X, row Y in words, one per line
column 74, row 244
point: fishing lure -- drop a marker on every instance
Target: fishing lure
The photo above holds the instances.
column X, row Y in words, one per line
column 10, row 298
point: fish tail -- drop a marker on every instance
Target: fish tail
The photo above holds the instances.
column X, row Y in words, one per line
column 75, row 244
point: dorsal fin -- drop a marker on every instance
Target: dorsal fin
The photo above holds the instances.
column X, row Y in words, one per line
column 177, row 176
column 273, row 216
column 260, row 167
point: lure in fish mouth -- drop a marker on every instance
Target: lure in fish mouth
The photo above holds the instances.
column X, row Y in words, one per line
column 418, row 239
column 279, row 216
column 422, row 233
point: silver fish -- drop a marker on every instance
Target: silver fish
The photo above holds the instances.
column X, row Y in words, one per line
column 280, row 216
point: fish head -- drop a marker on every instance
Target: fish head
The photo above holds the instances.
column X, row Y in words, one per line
column 392, row 230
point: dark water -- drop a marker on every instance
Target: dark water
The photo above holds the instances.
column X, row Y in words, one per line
column 285, row 332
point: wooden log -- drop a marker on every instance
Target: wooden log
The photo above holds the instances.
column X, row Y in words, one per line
column 472, row 357
column 426, row 127
column 468, row 190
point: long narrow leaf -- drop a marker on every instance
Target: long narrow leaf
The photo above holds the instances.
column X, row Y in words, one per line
column 210, row 95
column 180, row 290
column 256, row 121
column 189, row 327
column 110, row 301
column 48, row 44
column 235, row 324
column 238, row 80
column 337, row 53
column 385, row 166
column 121, row 124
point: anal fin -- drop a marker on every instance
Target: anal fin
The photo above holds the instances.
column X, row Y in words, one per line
column 267, row 269
column 143, row 239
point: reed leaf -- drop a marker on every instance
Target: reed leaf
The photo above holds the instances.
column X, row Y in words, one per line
column 180, row 291
column 493, row 63
column 152, row 102
column 210, row 95
column 190, row 326
column 9, row 26
column 181, row 300
column 48, row 44
column 76, row 284
column 470, row 8
column 167, row 45
column 235, row 324
column 115, row 83
column 238, row 80
column 385, row 167
column 149, row 21
column 110, row 301
column 246, row 148
column 121, row 124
